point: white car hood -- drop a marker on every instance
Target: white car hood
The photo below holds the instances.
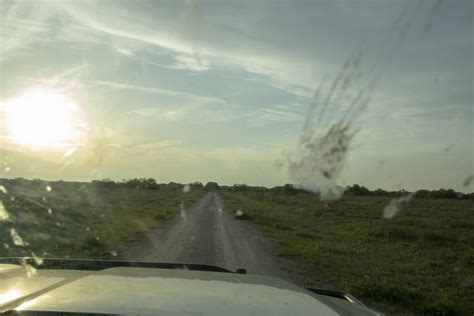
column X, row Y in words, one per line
column 150, row 291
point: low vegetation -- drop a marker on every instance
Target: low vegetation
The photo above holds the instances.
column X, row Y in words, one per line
column 421, row 261
column 85, row 220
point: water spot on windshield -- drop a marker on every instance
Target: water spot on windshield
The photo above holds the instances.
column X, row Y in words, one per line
column 38, row 260
column 29, row 269
column 113, row 253
column 194, row 19
column 17, row 240
column 70, row 151
column 239, row 213
column 395, row 205
column 3, row 212
column 186, row 188
column 468, row 181
column 467, row 282
column 448, row 148
column 182, row 212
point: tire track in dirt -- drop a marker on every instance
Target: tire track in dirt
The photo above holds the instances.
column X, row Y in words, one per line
column 208, row 233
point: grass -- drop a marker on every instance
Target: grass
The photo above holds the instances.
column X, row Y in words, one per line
column 419, row 262
column 82, row 220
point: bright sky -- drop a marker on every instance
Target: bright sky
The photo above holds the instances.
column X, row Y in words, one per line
column 219, row 90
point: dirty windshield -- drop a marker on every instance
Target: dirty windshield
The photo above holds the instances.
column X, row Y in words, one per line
column 326, row 143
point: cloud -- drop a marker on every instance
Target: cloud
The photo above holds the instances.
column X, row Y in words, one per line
column 66, row 79
column 182, row 62
column 22, row 22
column 100, row 18
column 187, row 62
column 281, row 115
column 150, row 148
column 154, row 90
column 157, row 31
column 266, row 116
column 161, row 113
column 234, row 35
column 224, row 37
column 124, row 51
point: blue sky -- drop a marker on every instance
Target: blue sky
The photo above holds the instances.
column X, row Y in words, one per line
column 219, row 90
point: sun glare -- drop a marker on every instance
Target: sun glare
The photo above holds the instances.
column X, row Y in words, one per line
column 43, row 118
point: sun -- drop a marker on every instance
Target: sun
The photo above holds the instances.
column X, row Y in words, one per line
column 43, row 118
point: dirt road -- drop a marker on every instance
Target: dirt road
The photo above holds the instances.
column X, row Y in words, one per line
column 208, row 233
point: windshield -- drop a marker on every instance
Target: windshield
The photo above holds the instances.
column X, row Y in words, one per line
column 327, row 143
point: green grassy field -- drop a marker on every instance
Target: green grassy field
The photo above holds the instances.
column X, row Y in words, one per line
column 82, row 220
column 421, row 261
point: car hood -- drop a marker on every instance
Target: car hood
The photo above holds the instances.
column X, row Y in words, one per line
column 152, row 291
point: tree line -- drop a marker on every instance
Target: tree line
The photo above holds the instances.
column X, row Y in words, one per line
column 357, row 190
column 153, row 184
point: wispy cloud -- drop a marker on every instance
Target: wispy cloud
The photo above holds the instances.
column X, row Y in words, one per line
column 181, row 62
column 22, row 23
column 173, row 93
column 165, row 114
column 124, row 51
column 285, row 73
column 64, row 80
column 149, row 148
column 123, row 28
column 191, row 63
column 283, row 114
column 266, row 116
